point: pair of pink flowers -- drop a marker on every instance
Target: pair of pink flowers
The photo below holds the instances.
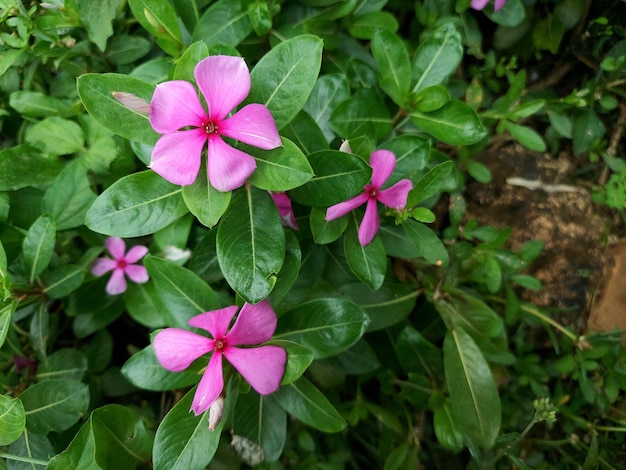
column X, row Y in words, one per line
column 122, row 264
column 177, row 113
column 262, row 366
column 480, row 4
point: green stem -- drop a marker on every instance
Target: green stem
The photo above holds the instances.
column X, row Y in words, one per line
column 23, row 459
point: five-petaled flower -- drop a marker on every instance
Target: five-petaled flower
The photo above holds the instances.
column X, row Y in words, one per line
column 382, row 162
column 177, row 113
column 261, row 366
column 480, row 4
column 122, row 264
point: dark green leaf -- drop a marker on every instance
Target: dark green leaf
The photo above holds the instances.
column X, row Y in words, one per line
column 428, row 245
column 526, row 136
column 445, row 429
column 393, row 63
column 97, row 18
column 144, row 305
column 38, row 246
column 437, row 57
column 455, row 124
column 160, row 19
column 16, row 168
column 12, row 419
column 204, row 201
column 369, row 262
column 418, row 355
column 326, row 232
column 430, row 184
column 366, row 26
column 328, row 92
column 66, row 364
column 56, row 136
column 305, row 133
column 299, row 359
column 225, row 22
column 357, row 116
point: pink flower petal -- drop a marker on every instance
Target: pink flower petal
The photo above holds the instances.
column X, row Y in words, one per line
column 262, row 367
column 176, row 348
column 370, row 223
column 498, row 4
column 382, row 162
column 102, row 266
column 176, row 156
column 337, row 210
column 215, row 322
column 479, row 4
column 136, row 253
column 283, row 204
column 117, row 283
column 116, row 246
column 255, row 324
column 137, row 273
column 227, row 167
column 253, row 125
column 175, row 104
column 210, row 386
column 396, row 195
column 224, row 81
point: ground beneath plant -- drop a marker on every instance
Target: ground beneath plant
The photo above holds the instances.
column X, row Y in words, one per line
column 583, row 264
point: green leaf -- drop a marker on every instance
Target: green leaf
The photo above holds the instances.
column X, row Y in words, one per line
column 455, row 124
column 369, row 262
column 40, row 105
column 96, row 93
column 526, row 281
column 182, row 293
column 186, row 64
column 326, row 232
column 474, row 397
column 588, row 129
column 136, row 205
column 526, row 136
column 204, row 201
column 6, row 314
column 548, row 33
column 411, row 153
column 360, row 115
column 289, row 270
column 430, row 184
column 12, row 419
column 251, row 244
column 299, row 359
column 16, row 168
column 328, row 92
column 338, row 176
column 159, row 18
column 56, row 136
column 445, row 430
column 125, row 49
column 38, row 246
column 65, row 364
column 280, row 169
column 393, row 63
column 183, row 441
column 54, row 405
column 144, row 305
column 260, row 17
column 431, row 98
column 305, row 402
column 437, row 57
column 114, row 437
column 225, row 22
column 305, row 133
column 262, row 421
column 145, row 371
column 511, row 14
column 479, row 172
column 325, row 326
column 97, row 18
column 493, row 275
column 427, row 243
column 63, row 280
column 418, row 355
column 39, row 331
column 284, row 77
column 69, row 197
column 366, row 26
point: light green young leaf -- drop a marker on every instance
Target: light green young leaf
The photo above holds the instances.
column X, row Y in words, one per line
column 12, row 419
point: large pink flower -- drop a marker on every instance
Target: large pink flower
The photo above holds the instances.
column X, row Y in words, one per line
column 480, row 4
column 122, row 264
column 382, row 162
column 177, row 113
column 262, row 366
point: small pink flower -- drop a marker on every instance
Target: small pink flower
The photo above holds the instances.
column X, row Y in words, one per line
column 262, row 366
column 382, row 162
column 122, row 264
column 480, row 4
column 283, row 204
column 177, row 113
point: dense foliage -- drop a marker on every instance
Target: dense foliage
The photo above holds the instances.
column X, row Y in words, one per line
column 338, row 239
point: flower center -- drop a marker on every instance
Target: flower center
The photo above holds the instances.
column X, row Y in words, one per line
column 371, row 191
column 211, row 128
column 121, row 264
column 219, row 344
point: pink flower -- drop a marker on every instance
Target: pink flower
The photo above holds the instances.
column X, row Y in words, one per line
column 480, row 4
column 262, row 367
column 177, row 113
column 122, row 264
column 283, row 204
column 382, row 162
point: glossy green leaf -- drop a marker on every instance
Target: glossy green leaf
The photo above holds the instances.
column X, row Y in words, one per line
column 65, row 363
column 418, row 355
column 144, row 305
column 479, row 172
column 56, row 136
column 430, row 184
column 114, row 437
column 38, row 246
column 281, row 169
column 511, row 14
column 12, row 419
column 445, row 429
column 393, row 63
column 54, row 405
column 359, row 115
column 493, row 274
column 437, row 57
column 159, row 18
column 338, row 176
column 526, row 136
column 299, row 359
column 225, row 22
column 204, row 201
column 40, row 331
column 588, row 129
column 136, row 205
column 455, row 124
column 427, row 243
column 6, row 314
column 284, row 78
column 260, row 17
column 431, row 98
column 305, row 402
column 144, row 370
column 369, row 262
column 97, row 18
column 69, row 197
column 325, row 326
column 36, row 449
column 289, row 270
column 181, row 292
column 251, row 244
column 326, row 232
column 125, row 49
column 411, row 153
column 40, row 105
column 16, row 168
column 303, row 131
column 183, row 441
column 474, row 397
column 262, row 421
column 328, row 92
column 186, row 64
column 96, row 93
column 366, row 26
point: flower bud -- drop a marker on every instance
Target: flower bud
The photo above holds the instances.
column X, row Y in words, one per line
column 132, row 102
column 215, row 413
